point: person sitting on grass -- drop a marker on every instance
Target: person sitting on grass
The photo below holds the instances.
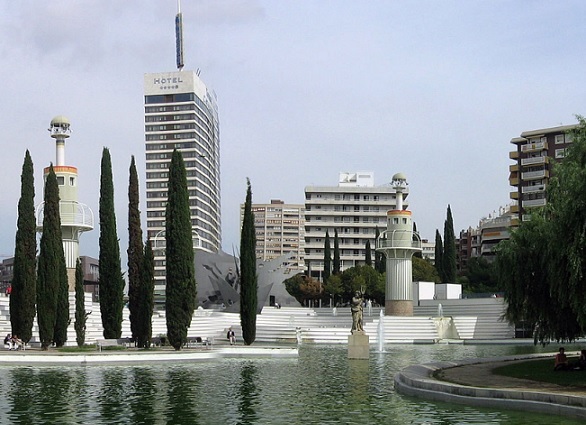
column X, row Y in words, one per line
column 561, row 360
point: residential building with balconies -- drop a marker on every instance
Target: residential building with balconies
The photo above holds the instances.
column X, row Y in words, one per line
column 280, row 230
column 355, row 208
column 536, row 152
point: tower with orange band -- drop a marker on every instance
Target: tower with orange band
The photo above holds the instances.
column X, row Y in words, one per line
column 75, row 216
column 398, row 243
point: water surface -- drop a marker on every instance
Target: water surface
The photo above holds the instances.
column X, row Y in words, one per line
column 320, row 387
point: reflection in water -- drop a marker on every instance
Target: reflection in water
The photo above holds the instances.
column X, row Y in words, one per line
column 111, row 397
column 358, row 380
column 248, row 394
column 320, row 387
column 21, row 397
column 143, row 403
column 181, row 397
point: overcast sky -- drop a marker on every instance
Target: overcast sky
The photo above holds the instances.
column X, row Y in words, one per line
column 306, row 89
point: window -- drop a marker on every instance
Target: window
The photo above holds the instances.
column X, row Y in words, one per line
column 559, row 139
column 60, row 180
column 560, row 153
column 71, row 181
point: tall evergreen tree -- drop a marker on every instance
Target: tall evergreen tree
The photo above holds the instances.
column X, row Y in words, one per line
column 248, row 277
column 379, row 258
column 147, row 300
column 51, row 263
column 336, row 264
column 181, row 285
column 439, row 256
column 111, row 279
column 449, row 257
column 62, row 319
column 327, row 258
column 416, row 239
column 135, row 255
column 368, row 256
column 80, row 314
column 24, row 280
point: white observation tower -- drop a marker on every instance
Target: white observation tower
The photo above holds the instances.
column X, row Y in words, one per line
column 75, row 217
column 398, row 243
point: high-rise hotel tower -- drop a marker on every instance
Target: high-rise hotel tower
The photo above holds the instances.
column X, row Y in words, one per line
column 181, row 113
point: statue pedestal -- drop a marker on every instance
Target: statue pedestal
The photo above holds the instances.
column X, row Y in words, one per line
column 358, row 346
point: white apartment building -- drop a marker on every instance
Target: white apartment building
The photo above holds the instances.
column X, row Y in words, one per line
column 181, row 113
column 280, row 230
column 355, row 208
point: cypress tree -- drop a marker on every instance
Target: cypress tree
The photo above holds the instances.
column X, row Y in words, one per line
column 439, row 256
column 368, row 256
column 49, row 271
column 248, row 278
column 135, row 255
column 327, row 258
column 62, row 319
column 147, row 299
column 336, row 264
column 111, row 279
column 24, row 280
column 181, row 285
column 418, row 254
column 80, row 314
column 449, row 257
column 379, row 258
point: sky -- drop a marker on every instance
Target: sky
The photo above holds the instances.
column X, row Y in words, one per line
column 306, row 89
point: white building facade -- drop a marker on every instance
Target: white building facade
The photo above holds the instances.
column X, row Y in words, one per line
column 181, row 113
column 355, row 208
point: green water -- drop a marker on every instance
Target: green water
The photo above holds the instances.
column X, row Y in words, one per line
column 320, row 387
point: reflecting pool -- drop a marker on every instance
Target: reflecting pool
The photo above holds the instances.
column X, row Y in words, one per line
column 320, row 387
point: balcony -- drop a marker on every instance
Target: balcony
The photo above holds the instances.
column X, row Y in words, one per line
column 514, row 181
column 514, row 155
column 514, row 195
column 533, row 189
column 534, row 160
column 514, row 208
column 534, row 175
column 534, row 147
column 514, row 168
column 534, row 203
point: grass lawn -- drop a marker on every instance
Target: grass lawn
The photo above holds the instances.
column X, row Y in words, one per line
column 542, row 370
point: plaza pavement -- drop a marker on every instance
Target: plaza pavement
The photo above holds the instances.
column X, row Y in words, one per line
column 473, row 382
column 52, row 357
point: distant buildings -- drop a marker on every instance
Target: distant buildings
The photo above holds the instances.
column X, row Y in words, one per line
column 534, row 154
column 355, row 208
column 280, row 230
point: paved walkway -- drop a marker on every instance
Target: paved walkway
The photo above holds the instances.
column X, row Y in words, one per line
column 473, row 382
column 36, row 356
column 482, row 375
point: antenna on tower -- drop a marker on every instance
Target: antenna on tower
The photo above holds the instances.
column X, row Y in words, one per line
column 179, row 36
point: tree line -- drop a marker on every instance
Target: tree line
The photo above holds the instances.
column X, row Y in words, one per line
column 40, row 284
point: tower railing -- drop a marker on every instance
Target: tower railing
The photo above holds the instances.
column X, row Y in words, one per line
column 400, row 239
column 72, row 214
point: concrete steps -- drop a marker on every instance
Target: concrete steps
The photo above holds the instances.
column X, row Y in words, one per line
column 473, row 320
